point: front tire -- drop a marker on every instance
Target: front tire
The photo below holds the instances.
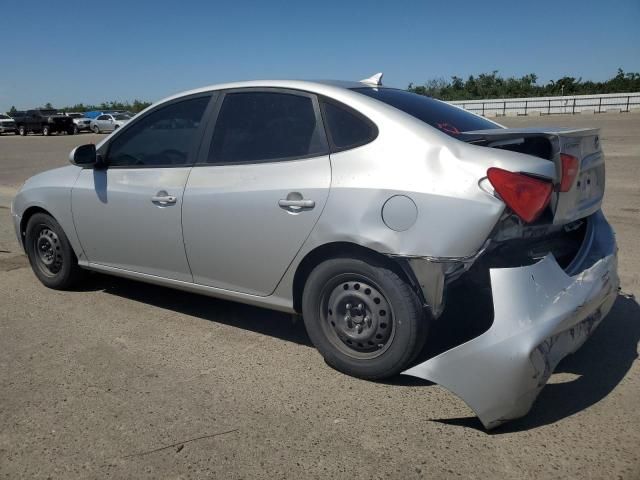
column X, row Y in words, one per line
column 50, row 254
column 363, row 318
column 46, row 131
column 22, row 131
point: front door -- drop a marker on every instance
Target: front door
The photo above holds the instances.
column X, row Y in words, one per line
column 128, row 216
column 258, row 190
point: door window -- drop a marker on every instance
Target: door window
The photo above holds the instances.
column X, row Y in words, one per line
column 266, row 126
column 165, row 137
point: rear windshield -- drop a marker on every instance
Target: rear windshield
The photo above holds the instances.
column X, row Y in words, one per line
column 447, row 118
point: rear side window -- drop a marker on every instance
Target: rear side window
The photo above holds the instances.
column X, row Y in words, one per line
column 266, row 126
column 446, row 118
column 346, row 128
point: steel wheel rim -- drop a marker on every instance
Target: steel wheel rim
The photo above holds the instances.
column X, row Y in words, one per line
column 356, row 317
column 48, row 251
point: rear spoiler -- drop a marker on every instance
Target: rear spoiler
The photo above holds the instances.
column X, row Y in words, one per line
column 504, row 134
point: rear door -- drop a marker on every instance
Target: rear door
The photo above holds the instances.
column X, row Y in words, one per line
column 259, row 188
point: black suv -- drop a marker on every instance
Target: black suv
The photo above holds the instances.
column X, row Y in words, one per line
column 43, row 121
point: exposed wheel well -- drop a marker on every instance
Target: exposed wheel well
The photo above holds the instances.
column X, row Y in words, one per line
column 345, row 249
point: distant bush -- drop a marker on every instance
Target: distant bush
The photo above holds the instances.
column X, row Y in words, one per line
column 492, row 85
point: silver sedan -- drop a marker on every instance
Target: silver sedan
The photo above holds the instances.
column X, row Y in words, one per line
column 357, row 206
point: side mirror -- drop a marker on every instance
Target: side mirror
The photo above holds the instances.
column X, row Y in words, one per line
column 85, row 156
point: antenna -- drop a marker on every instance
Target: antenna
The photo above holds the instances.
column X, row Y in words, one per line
column 375, row 80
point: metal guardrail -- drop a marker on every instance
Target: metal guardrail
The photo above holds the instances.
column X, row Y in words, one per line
column 623, row 103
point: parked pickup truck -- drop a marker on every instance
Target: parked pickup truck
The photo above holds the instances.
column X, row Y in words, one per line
column 43, row 121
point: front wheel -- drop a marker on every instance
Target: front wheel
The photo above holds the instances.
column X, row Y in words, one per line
column 50, row 254
column 22, row 131
column 363, row 318
column 75, row 130
column 46, row 131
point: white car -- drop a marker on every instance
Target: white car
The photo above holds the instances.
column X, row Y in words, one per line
column 7, row 125
column 109, row 122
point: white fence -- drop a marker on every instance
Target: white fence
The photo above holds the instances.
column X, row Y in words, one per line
column 610, row 102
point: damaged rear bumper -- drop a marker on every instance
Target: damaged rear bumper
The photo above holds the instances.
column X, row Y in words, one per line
column 542, row 313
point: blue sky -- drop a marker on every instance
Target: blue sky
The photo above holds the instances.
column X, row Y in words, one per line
column 90, row 51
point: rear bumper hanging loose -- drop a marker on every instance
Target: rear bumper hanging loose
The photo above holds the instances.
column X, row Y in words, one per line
column 541, row 314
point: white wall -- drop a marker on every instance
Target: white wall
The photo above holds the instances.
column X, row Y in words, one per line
column 612, row 102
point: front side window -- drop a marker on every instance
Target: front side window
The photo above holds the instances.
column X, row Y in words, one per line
column 266, row 126
column 446, row 118
column 146, row 142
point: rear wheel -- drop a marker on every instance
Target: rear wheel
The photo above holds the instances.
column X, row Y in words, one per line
column 95, row 129
column 74, row 130
column 22, row 131
column 50, row 254
column 363, row 318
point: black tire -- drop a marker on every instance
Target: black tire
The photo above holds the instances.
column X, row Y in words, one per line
column 46, row 131
column 74, row 130
column 363, row 318
column 95, row 129
column 50, row 254
column 22, row 131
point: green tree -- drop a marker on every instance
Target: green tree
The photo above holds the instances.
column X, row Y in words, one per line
column 492, row 85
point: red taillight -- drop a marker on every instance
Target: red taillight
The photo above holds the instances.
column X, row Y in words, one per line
column 569, row 171
column 526, row 196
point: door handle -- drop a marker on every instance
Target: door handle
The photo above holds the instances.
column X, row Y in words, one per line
column 164, row 199
column 296, row 203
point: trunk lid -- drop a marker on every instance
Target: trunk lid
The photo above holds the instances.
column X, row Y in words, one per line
column 584, row 196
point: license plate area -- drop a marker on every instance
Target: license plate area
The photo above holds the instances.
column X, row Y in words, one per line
column 589, row 187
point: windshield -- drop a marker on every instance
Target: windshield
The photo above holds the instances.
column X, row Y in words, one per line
column 121, row 117
column 5, row 117
column 446, row 118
